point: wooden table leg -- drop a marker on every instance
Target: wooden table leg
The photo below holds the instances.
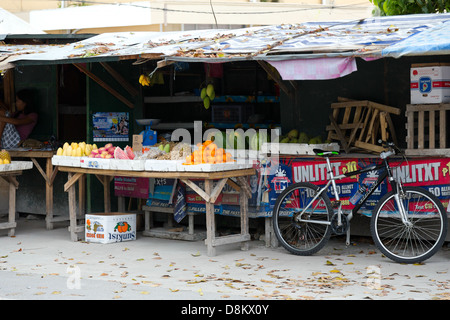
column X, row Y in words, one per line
column 49, row 195
column 243, row 202
column 70, row 189
column 12, row 205
column 210, row 221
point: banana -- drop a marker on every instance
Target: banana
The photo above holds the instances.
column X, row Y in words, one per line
column 144, row 80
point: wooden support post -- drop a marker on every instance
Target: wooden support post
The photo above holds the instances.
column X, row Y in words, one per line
column 210, row 222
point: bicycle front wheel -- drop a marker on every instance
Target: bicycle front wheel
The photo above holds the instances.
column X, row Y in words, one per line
column 416, row 239
column 302, row 222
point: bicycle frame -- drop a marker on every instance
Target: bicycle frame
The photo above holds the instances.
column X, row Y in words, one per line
column 387, row 173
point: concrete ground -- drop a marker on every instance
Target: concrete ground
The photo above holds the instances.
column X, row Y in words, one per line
column 40, row 264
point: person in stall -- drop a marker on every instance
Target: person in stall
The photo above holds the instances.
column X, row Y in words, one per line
column 16, row 127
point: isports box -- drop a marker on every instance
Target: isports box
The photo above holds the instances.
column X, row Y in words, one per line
column 430, row 83
column 110, row 227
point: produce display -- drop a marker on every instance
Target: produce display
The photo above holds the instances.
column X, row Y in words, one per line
column 82, row 149
column 5, row 158
column 208, row 152
column 75, row 149
column 294, row 136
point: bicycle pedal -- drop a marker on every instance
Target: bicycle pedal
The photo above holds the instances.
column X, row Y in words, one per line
column 343, row 227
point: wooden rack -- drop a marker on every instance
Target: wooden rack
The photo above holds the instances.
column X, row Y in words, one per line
column 361, row 123
column 427, row 129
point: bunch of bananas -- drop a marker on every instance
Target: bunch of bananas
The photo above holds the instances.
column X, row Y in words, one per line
column 144, row 80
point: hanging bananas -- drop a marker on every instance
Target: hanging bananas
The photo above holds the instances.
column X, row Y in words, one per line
column 144, row 80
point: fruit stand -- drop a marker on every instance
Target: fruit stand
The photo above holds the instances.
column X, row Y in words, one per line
column 105, row 169
column 9, row 172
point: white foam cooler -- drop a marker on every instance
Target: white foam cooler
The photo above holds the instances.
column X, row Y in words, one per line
column 110, row 227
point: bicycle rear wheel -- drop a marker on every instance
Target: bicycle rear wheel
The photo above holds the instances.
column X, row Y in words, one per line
column 307, row 233
column 417, row 240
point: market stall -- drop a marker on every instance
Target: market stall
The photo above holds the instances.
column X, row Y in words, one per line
column 9, row 172
column 235, row 174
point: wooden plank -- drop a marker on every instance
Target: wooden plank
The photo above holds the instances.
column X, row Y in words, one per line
column 13, row 181
column 205, row 196
column 421, row 130
column 383, row 126
column 72, row 179
column 346, row 104
column 371, row 125
column 72, row 204
column 431, row 129
column 38, row 166
column 104, row 85
column 217, row 190
column 244, row 195
column 210, row 222
column 382, row 107
column 428, row 107
column 8, row 225
column 340, row 134
column 244, row 185
column 369, row 146
column 442, row 129
column 276, row 77
column 410, row 129
column 13, row 185
column 233, row 238
column 234, row 185
column 391, row 128
column 121, row 80
column 170, row 174
column 427, row 152
column 366, row 120
column 50, row 174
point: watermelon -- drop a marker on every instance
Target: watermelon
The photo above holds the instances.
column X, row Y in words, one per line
column 120, row 154
column 129, row 152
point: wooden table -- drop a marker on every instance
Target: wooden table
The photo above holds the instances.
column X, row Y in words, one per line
column 10, row 177
column 235, row 178
column 49, row 176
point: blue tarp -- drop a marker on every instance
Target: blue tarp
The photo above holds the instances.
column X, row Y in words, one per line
column 435, row 40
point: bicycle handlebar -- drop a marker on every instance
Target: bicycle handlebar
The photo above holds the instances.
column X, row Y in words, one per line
column 393, row 149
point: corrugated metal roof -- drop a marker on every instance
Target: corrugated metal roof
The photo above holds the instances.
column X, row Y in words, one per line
column 361, row 38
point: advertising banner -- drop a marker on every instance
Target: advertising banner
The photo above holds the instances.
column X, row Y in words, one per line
column 432, row 174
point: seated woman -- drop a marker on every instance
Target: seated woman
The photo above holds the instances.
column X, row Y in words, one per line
column 14, row 128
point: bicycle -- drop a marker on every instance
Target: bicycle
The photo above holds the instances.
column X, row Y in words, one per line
column 408, row 225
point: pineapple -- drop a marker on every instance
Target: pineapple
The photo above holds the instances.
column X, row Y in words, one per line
column 4, row 155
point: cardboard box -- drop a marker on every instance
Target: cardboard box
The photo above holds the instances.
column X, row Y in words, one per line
column 430, row 83
column 110, row 227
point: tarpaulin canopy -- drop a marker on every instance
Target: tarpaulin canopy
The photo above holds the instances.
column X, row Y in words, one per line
column 433, row 41
column 285, row 46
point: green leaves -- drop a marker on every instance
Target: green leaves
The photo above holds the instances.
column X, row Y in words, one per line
column 400, row 7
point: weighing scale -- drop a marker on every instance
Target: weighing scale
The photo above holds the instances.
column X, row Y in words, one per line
column 149, row 135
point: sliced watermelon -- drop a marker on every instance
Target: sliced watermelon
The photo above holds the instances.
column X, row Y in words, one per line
column 129, row 152
column 120, row 154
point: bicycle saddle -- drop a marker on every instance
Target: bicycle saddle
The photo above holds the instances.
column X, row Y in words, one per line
column 325, row 153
